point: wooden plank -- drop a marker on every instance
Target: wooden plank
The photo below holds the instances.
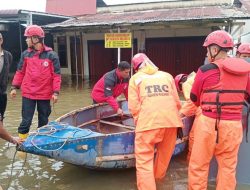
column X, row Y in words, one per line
column 116, row 124
column 128, row 115
column 115, row 158
column 87, row 123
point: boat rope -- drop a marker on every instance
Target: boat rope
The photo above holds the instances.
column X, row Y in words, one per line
column 12, row 168
column 46, row 150
column 50, row 132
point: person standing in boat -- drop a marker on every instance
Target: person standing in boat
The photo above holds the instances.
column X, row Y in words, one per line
column 154, row 103
column 38, row 76
column 219, row 88
column 112, row 85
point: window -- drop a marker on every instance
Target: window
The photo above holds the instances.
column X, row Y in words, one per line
column 62, row 51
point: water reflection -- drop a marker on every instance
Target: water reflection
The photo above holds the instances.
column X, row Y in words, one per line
column 47, row 174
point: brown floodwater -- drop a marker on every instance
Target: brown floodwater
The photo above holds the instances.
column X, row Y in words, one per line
column 42, row 173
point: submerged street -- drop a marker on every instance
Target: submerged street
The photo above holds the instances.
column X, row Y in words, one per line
column 47, row 174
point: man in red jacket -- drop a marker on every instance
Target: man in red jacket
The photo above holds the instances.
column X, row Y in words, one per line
column 112, row 85
column 38, row 76
column 220, row 89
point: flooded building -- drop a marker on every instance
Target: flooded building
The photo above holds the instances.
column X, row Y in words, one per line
column 171, row 33
column 12, row 26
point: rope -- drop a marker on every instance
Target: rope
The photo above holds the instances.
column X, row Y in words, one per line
column 50, row 133
column 12, row 167
column 46, row 149
column 52, row 130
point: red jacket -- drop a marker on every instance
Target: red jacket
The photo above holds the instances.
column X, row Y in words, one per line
column 38, row 74
column 228, row 95
column 110, row 86
column 208, row 77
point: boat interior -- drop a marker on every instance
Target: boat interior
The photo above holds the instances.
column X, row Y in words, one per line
column 111, row 124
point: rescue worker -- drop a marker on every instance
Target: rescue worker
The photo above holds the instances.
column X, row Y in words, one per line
column 112, row 85
column 5, row 63
column 38, row 76
column 243, row 51
column 154, row 103
column 219, row 88
column 184, row 84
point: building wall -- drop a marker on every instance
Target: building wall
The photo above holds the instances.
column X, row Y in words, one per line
column 140, row 36
column 240, row 32
column 71, row 7
column 246, row 32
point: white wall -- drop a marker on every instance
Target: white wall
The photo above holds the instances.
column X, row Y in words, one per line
column 246, row 32
column 140, row 35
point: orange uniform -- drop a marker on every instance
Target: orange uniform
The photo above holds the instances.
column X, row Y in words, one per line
column 154, row 103
column 219, row 89
column 189, row 109
column 219, row 136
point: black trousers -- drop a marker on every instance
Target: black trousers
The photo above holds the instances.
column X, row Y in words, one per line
column 3, row 104
column 28, row 109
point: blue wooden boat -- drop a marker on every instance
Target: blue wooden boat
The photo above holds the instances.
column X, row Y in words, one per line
column 93, row 137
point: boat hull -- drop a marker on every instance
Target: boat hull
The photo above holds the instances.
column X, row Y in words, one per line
column 89, row 147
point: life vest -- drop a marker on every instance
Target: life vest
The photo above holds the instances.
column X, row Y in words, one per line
column 228, row 95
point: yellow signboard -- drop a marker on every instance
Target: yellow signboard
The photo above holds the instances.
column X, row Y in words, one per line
column 117, row 40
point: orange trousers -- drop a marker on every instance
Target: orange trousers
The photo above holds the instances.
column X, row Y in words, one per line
column 148, row 166
column 225, row 152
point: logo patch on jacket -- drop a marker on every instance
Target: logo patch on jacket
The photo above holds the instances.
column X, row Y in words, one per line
column 45, row 64
column 157, row 90
column 108, row 88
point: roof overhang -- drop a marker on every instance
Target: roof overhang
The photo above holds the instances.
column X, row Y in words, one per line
column 23, row 16
column 191, row 16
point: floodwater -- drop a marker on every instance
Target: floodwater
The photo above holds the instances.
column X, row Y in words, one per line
column 40, row 173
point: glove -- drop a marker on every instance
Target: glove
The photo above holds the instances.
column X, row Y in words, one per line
column 179, row 133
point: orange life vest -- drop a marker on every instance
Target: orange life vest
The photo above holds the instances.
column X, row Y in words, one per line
column 229, row 94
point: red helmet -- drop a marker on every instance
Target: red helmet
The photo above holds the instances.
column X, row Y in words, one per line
column 138, row 59
column 178, row 79
column 244, row 48
column 34, row 30
column 220, row 38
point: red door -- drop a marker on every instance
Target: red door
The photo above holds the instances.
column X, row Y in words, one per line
column 102, row 60
column 176, row 55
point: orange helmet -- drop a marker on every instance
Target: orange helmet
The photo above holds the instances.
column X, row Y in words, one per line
column 138, row 59
column 244, row 48
column 178, row 79
column 220, row 38
column 34, row 30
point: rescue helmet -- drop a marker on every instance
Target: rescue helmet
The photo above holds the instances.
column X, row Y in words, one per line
column 34, row 30
column 178, row 79
column 138, row 59
column 219, row 37
column 244, row 48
